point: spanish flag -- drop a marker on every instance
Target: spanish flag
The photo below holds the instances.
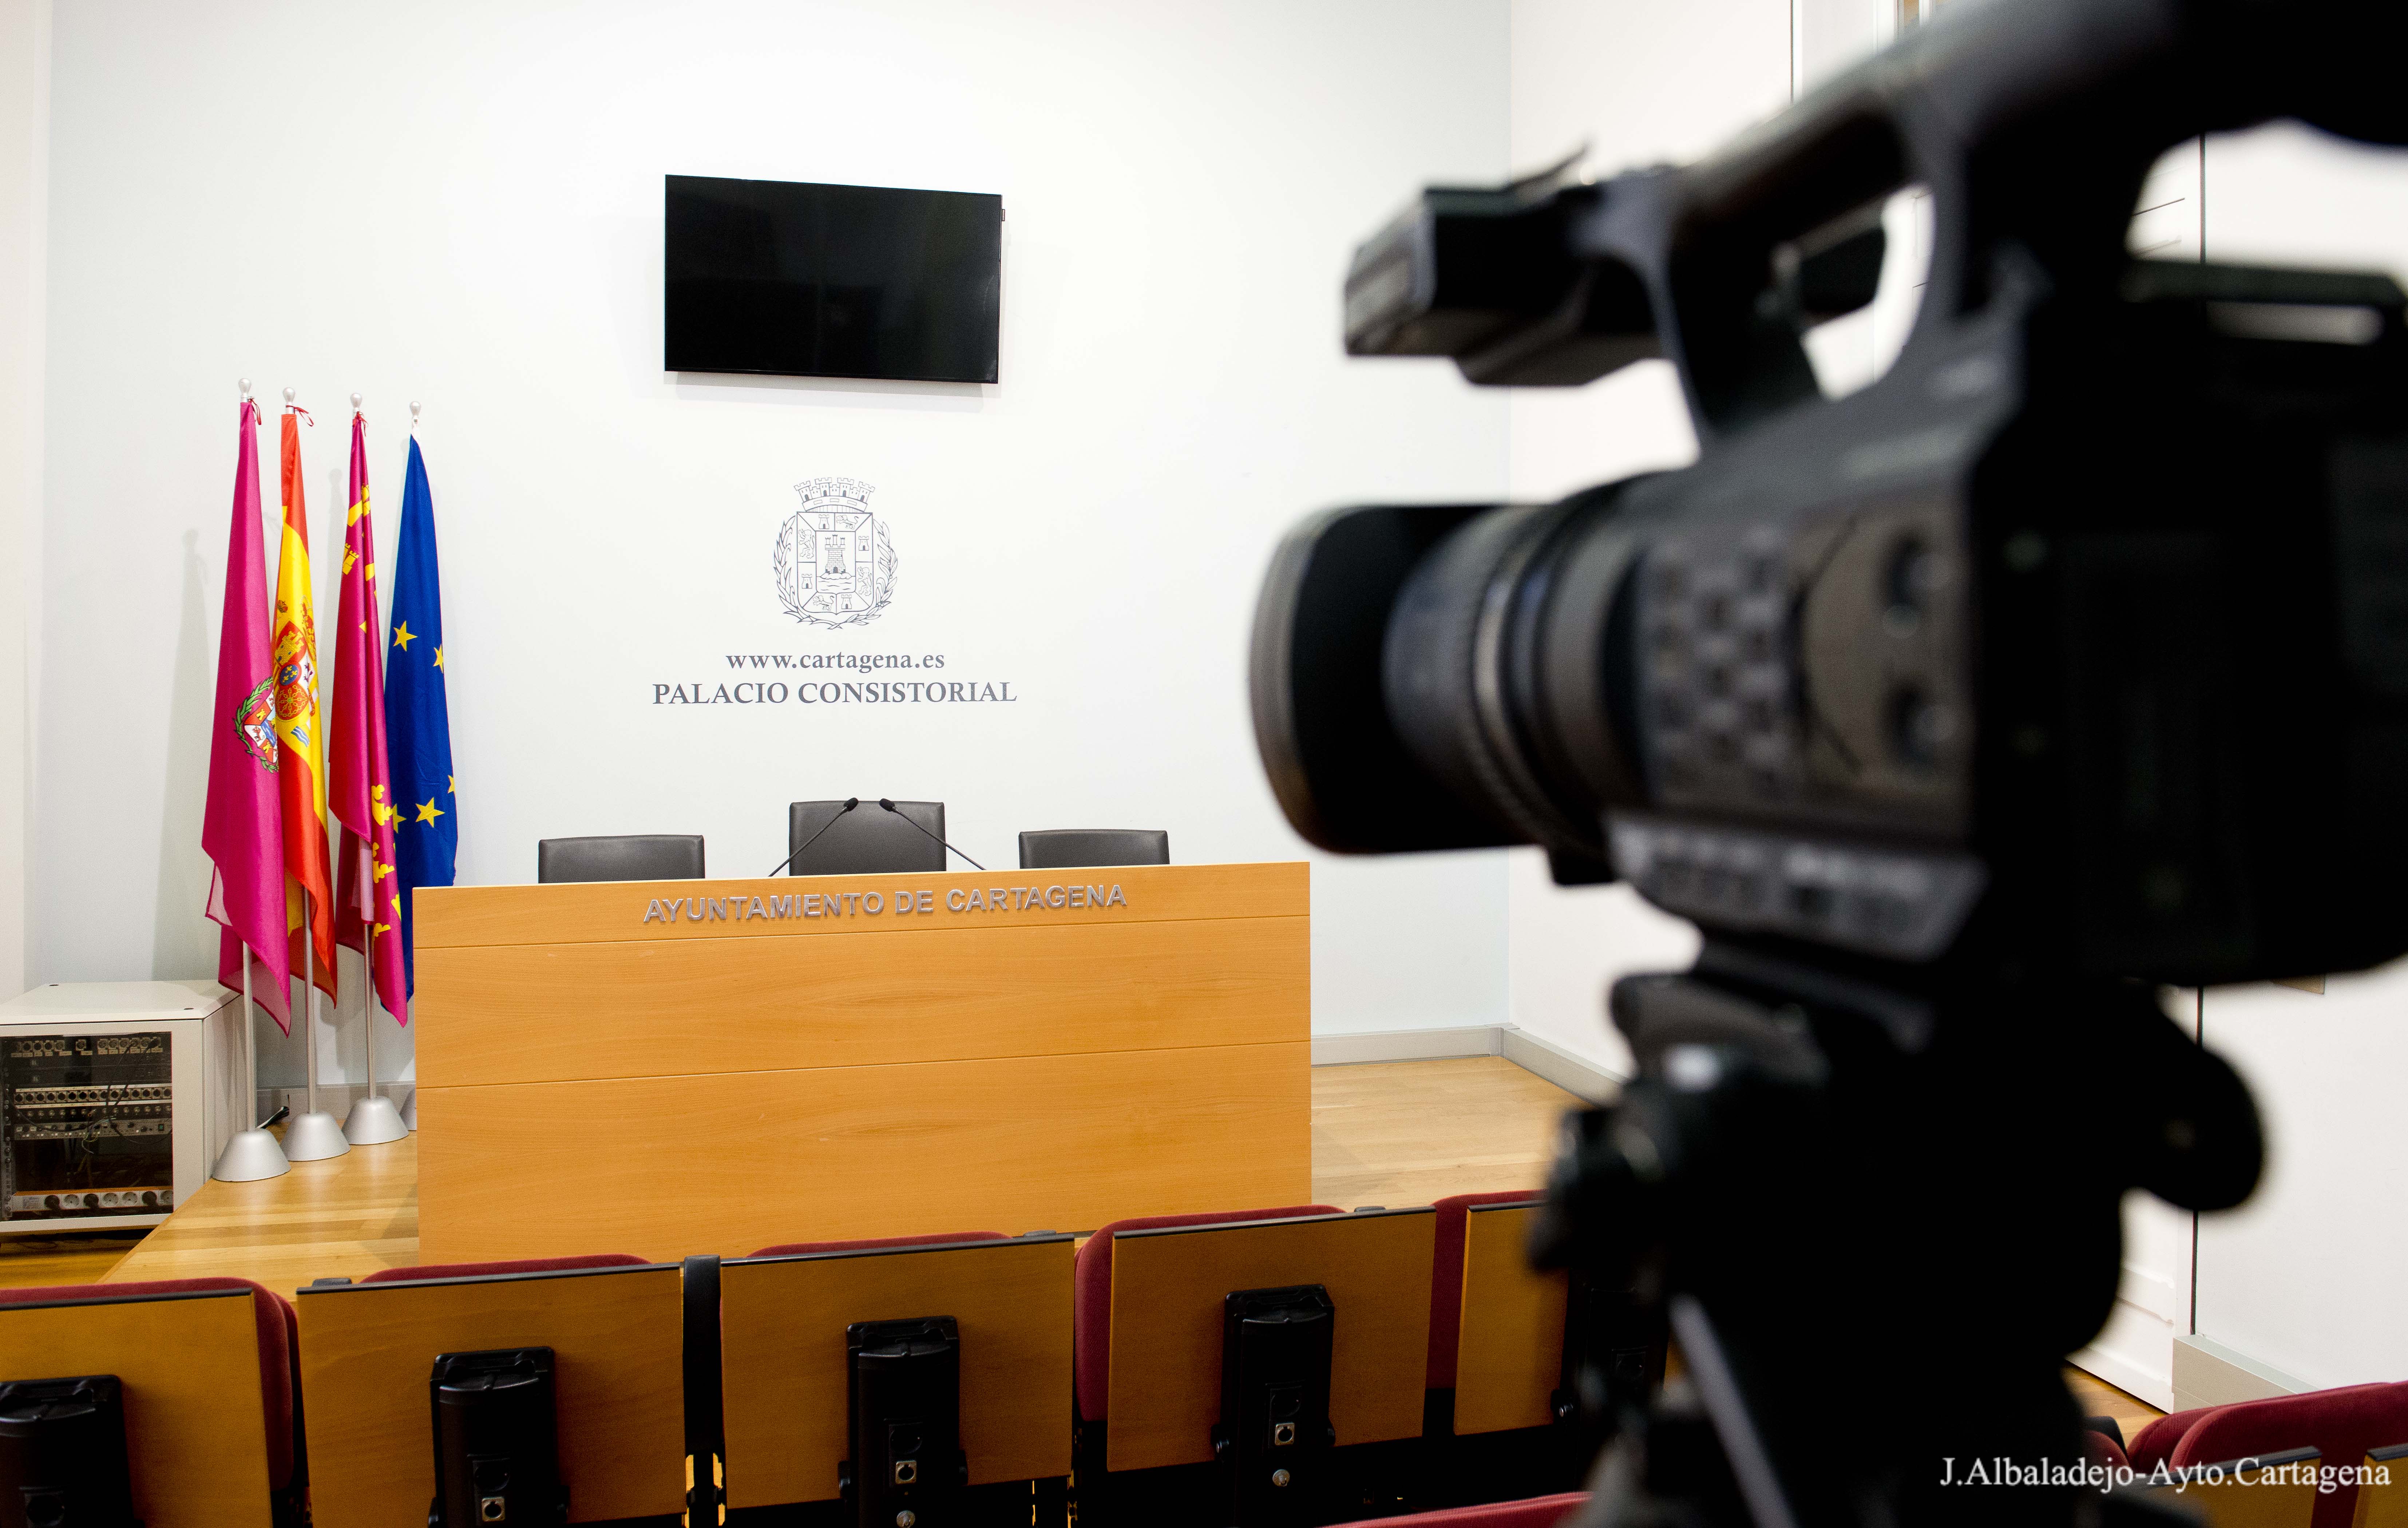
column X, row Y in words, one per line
column 301, row 763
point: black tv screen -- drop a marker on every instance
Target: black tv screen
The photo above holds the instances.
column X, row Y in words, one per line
column 799, row 279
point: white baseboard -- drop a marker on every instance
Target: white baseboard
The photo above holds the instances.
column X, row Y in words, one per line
column 2207, row 1373
column 1348, row 1050
column 1540, row 1057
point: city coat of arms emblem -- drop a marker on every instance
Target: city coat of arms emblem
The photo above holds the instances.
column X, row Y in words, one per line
column 835, row 563
column 254, row 722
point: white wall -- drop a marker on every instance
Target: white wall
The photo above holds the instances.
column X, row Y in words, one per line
column 2305, row 1277
column 1639, row 84
column 462, row 203
column 25, row 161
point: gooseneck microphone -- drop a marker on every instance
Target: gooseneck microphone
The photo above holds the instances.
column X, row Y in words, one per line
column 915, row 822
column 850, row 803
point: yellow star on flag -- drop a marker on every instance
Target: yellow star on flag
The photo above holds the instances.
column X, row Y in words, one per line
column 451, row 785
column 428, row 812
column 402, row 637
column 438, row 657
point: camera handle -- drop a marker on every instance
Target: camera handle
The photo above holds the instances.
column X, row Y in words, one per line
column 2032, row 126
column 1877, row 1210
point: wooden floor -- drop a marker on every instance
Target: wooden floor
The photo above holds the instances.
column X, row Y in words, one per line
column 2098, row 1398
column 1395, row 1133
column 29, row 1260
column 1410, row 1132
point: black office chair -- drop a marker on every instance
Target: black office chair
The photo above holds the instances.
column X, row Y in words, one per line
column 1070, row 848
column 870, row 842
column 635, row 856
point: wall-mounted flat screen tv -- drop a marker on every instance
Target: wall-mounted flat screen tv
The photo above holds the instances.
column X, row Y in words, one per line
column 798, row 279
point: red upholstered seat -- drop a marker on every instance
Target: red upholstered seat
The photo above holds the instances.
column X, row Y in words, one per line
column 799, row 1249
column 279, row 1351
column 1090, row 1299
column 2341, row 1424
column 1446, row 1278
column 2154, row 1445
column 2103, row 1451
column 1533, row 1512
column 490, row 1270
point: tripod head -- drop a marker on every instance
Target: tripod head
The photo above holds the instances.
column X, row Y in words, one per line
column 1851, row 1200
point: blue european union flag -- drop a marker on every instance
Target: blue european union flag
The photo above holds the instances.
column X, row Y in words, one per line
column 417, row 720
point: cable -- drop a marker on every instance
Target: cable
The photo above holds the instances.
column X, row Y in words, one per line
column 908, row 818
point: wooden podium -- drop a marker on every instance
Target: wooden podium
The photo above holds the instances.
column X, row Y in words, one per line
column 674, row 1067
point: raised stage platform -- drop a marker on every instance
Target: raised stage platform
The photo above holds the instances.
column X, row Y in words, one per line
column 1392, row 1133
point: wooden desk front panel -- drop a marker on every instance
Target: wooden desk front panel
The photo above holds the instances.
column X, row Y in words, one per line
column 783, row 1378
column 596, row 1075
column 618, row 1349
column 669, row 1166
column 600, row 912
column 1508, row 1353
column 666, row 1007
column 1164, row 1392
column 195, row 1435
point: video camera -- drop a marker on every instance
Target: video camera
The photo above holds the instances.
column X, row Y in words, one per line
column 2071, row 656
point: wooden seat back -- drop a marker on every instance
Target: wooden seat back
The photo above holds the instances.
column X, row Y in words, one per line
column 616, row 1338
column 189, row 1366
column 2382, row 1489
column 1167, row 1287
column 2272, row 1490
column 1509, row 1349
column 783, row 1365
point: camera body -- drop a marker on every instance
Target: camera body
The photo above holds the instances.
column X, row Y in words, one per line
column 2078, row 642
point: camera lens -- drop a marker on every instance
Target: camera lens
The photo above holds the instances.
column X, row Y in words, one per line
column 1503, row 662
column 1443, row 677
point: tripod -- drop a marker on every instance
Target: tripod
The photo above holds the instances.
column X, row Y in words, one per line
column 1876, row 1207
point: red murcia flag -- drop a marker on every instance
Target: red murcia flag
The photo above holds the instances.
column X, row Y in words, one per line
column 241, row 832
column 367, row 897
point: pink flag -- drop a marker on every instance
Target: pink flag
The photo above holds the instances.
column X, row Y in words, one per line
column 242, row 830
column 367, row 898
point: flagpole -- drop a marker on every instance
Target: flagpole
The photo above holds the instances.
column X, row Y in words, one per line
column 373, row 1121
column 252, row 1154
column 314, row 1136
